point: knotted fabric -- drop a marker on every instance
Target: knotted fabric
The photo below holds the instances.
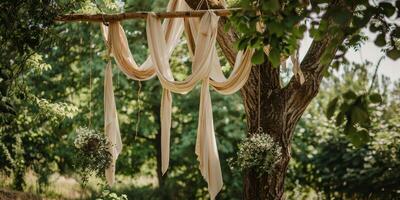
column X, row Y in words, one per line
column 206, row 68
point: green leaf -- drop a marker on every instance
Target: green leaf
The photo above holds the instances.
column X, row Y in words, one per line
column 387, row 8
column 349, row 129
column 274, row 57
column 314, row 33
column 360, row 22
column 341, row 17
column 380, row 40
column 396, row 32
column 339, row 119
column 394, row 54
column 323, row 26
column 331, row 107
column 350, row 95
column 271, row 5
column 255, row 42
column 258, row 57
column 375, row 98
column 359, row 138
column 243, row 27
column 241, row 44
column 276, row 28
column 326, row 57
column 359, row 116
column 374, row 27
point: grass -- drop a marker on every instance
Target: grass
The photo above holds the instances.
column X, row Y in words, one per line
column 70, row 188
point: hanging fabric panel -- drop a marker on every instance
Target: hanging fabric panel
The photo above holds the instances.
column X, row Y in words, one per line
column 162, row 39
column 206, row 146
column 111, row 125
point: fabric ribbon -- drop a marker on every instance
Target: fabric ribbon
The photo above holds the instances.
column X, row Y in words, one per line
column 296, row 67
column 206, row 146
column 111, row 125
column 162, row 39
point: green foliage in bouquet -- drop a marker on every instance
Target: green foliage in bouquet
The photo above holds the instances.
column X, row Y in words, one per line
column 107, row 195
column 92, row 153
column 259, row 152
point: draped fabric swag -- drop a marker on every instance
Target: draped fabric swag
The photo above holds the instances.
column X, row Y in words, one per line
column 206, row 69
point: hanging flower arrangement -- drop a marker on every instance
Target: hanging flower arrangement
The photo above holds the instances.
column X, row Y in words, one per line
column 92, row 153
column 259, row 152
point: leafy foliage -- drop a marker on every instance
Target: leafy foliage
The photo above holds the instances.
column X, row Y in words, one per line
column 353, row 111
column 258, row 152
column 25, row 116
column 276, row 26
column 338, row 166
column 92, row 153
column 107, row 195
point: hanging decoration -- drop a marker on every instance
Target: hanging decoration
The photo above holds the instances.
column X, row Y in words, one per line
column 206, row 69
column 92, row 153
column 91, row 147
column 162, row 39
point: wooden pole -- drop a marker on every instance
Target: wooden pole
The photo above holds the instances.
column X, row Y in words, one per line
column 139, row 15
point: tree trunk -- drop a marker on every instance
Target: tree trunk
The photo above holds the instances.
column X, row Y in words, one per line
column 269, row 116
column 276, row 116
column 274, row 108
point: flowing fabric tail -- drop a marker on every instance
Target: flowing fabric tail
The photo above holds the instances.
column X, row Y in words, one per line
column 111, row 126
column 206, row 144
column 165, row 113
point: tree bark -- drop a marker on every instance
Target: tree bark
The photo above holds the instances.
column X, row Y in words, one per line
column 274, row 108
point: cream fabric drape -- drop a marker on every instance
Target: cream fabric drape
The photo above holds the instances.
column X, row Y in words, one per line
column 111, row 125
column 118, row 47
column 206, row 147
column 172, row 30
column 206, row 69
column 296, row 67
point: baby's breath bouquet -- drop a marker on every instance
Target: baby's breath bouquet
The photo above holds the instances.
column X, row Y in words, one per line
column 259, row 152
column 108, row 195
column 92, row 155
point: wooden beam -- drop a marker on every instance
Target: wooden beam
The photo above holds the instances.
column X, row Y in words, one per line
column 139, row 15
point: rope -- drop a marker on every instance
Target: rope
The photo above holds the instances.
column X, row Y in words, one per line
column 208, row 7
column 90, row 79
column 90, row 83
column 375, row 73
column 259, row 100
column 200, row 4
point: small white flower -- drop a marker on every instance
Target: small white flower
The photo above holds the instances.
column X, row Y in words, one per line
column 258, row 151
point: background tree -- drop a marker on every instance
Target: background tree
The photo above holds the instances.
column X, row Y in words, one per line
column 335, row 26
column 367, row 170
column 26, row 115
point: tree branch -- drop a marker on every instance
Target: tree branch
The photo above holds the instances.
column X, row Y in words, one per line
column 137, row 15
column 299, row 96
